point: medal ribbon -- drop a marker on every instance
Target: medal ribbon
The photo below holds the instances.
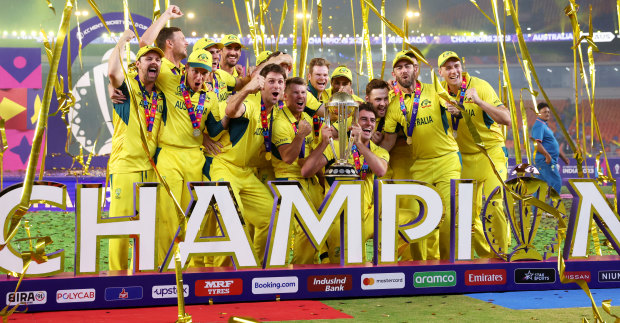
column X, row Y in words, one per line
column 267, row 124
column 361, row 169
column 302, row 152
column 455, row 120
column 193, row 116
column 317, row 122
column 216, row 87
column 148, row 114
column 414, row 108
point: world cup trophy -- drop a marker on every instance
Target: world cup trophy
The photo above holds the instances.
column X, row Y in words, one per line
column 341, row 111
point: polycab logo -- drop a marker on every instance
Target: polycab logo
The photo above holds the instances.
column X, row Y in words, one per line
column 218, row 287
column 330, row 283
column 535, row 275
column 123, row 293
column 583, row 275
column 26, row 298
column 75, row 295
column 275, row 285
column 168, row 291
column 383, row 281
column 485, row 277
column 425, row 279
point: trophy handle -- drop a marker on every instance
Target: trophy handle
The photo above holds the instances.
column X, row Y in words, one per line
column 331, row 144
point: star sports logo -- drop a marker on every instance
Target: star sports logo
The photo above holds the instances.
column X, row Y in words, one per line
column 535, row 275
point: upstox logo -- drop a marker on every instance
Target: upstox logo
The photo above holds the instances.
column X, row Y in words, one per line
column 26, row 298
column 383, row 281
column 275, row 285
column 426, row 279
column 168, row 291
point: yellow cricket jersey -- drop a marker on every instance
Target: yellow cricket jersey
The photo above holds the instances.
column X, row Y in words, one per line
column 489, row 130
column 431, row 135
column 220, row 85
column 323, row 98
column 127, row 153
column 177, row 129
column 312, row 104
column 283, row 133
column 243, row 145
column 229, row 79
column 370, row 177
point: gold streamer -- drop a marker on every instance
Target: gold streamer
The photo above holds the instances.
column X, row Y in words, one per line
column 49, row 5
column 295, row 69
column 236, row 17
column 383, row 41
column 157, row 10
column 319, row 14
column 366, row 47
column 482, row 11
column 252, row 26
column 261, row 26
column 284, row 12
column 606, row 305
column 406, row 24
column 95, row 8
column 357, row 81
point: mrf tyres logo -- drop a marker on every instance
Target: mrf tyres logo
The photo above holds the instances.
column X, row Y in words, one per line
column 330, row 283
column 168, row 291
column 275, row 285
column 383, row 281
column 535, row 275
column 426, row 279
column 26, row 298
column 485, row 277
column 218, row 287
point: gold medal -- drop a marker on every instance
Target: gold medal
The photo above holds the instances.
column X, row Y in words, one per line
column 268, row 155
column 196, row 132
column 409, row 141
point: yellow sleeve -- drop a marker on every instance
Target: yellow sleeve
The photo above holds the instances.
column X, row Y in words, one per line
column 393, row 116
column 282, row 132
column 381, row 152
column 487, row 93
column 312, row 104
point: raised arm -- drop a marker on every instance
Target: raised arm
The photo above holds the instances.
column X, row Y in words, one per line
column 290, row 152
column 149, row 36
column 115, row 68
column 499, row 114
column 389, row 140
column 376, row 164
column 316, row 160
column 234, row 106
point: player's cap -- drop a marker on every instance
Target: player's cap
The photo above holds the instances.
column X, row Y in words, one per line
column 445, row 56
column 200, row 59
column 145, row 49
column 263, row 56
column 204, row 43
column 404, row 55
column 342, row 71
column 231, row 39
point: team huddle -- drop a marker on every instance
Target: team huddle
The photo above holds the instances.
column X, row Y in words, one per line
column 209, row 120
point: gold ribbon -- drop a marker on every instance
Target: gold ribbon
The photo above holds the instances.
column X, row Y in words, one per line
column 157, row 10
column 482, row 11
column 366, row 36
column 383, row 41
column 296, row 71
column 236, row 17
column 319, row 14
column 49, row 5
column 3, row 147
column 284, row 12
column 95, row 8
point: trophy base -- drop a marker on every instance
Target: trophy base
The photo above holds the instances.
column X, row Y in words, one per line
column 525, row 252
column 342, row 171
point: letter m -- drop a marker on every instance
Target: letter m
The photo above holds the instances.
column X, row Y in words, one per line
column 344, row 199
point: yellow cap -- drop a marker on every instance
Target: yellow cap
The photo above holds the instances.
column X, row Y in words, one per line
column 145, row 49
column 405, row 54
column 263, row 56
column 231, row 39
column 344, row 72
column 445, row 56
column 204, row 43
column 200, row 59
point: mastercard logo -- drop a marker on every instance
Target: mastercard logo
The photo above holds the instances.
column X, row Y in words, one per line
column 369, row 281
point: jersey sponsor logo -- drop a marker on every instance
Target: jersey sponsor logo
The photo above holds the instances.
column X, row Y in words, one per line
column 485, row 277
column 383, row 281
column 423, row 120
column 425, row 103
column 275, row 285
column 26, row 298
column 426, row 279
column 606, row 276
column 168, row 291
column 75, row 295
column 123, row 293
column 584, row 275
column 330, row 283
column 218, row 287
column 535, row 275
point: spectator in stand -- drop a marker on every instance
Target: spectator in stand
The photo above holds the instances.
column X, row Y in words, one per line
column 548, row 149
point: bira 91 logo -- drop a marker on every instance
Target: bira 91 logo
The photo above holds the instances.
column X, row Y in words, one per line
column 75, row 295
column 425, row 279
column 330, row 283
column 26, row 298
column 535, row 275
column 219, row 287
column 485, row 277
column 583, row 275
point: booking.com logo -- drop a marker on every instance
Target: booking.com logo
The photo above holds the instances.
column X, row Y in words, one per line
column 275, row 285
